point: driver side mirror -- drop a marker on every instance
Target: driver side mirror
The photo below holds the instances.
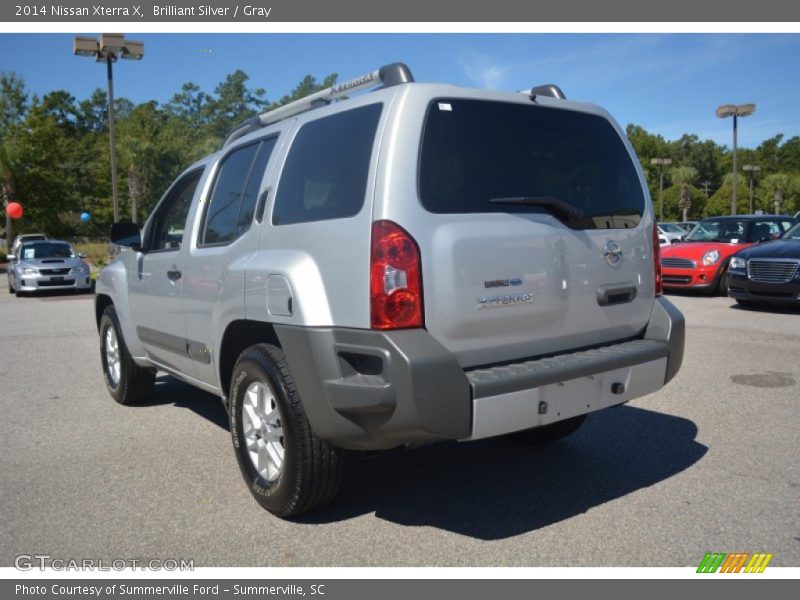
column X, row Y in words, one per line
column 126, row 234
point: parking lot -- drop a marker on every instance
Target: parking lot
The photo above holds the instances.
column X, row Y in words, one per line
column 707, row 464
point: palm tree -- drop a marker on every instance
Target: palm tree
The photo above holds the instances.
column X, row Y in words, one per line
column 683, row 176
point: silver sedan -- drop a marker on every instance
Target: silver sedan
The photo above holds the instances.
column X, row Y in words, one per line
column 47, row 265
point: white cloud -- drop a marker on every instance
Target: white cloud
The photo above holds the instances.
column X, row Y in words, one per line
column 483, row 70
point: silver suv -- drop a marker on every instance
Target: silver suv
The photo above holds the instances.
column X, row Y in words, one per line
column 418, row 263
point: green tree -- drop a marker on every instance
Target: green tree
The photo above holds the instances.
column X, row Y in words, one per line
column 789, row 155
column 190, row 104
column 672, row 196
column 767, row 155
column 13, row 107
column 307, row 86
column 720, row 203
column 682, row 176
column 233, row 102
column 788, row 184
column 703, row 156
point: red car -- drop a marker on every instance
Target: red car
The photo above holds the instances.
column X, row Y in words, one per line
column 700, row 262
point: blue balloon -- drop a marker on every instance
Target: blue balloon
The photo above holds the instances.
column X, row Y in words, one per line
column 85, row 217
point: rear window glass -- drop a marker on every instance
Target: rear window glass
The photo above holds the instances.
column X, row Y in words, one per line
column 474, row 151
column 325, row 176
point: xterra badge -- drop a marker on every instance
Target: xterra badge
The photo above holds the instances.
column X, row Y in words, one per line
column 508, row 300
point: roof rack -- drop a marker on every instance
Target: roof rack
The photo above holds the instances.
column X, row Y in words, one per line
column 386, row 76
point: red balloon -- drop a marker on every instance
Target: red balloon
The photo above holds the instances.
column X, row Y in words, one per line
column 14, row 210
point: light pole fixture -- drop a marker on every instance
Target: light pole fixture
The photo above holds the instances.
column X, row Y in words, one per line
column 109, row 48
column 735, row 111
column 752, row 169
column 661, row 162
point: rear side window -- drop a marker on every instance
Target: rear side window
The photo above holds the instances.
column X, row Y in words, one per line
column 169, row 220
column 233, row 198
column 474, row 151
column 325, row 176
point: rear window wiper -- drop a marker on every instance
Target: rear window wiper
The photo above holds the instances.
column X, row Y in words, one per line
column 559, row 208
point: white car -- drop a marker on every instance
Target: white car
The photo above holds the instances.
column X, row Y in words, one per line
column 670, row 233
column 26, row 237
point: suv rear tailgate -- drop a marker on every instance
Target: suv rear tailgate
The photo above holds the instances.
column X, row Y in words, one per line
column 506, row 273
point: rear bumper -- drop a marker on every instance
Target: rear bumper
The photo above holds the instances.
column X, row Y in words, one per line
column 367, row 389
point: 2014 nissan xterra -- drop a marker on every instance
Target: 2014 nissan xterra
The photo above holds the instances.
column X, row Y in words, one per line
column 418, row 263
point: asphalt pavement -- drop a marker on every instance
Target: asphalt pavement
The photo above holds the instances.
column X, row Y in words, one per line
column 710, row 463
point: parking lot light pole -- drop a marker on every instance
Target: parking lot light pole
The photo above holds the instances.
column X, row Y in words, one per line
column 752, row 169
column 661, row 162
column 735, row 111
column 108, row 49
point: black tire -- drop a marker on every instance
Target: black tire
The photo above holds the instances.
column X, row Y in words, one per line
column 722, row 283
column 311, row 471
column 745, row 303
column 134, row 383
column 550, row 433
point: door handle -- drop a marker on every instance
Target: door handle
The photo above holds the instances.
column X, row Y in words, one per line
column 174, row 275
column 608, row 295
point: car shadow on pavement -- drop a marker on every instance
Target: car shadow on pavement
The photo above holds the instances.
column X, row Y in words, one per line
column 499, row 488
column 170, row 390
column 778, row 309
column 51, row 295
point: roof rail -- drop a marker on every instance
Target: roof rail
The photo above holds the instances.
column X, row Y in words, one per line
column 386, row 76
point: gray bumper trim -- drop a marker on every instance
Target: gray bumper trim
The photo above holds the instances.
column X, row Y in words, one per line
column 369, row 390
column 525, row 375
column 668, row 325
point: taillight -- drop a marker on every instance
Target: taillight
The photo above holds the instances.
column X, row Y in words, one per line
column 657, row 261
column 395, row 280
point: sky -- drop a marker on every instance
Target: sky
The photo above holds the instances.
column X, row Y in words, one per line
column 670, row 84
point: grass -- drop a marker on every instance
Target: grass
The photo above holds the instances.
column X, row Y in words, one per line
column 96, row 253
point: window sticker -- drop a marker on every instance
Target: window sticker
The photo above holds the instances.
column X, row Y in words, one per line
column 446, row 106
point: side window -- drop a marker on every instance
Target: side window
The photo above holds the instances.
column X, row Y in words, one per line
column 250, row 196
column 764, row 230
column 233, row 198
column 169, row 222
column 325, row 176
